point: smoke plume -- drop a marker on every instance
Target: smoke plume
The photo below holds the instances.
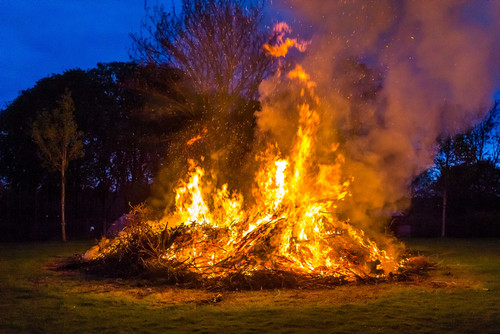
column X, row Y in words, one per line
column 393, row 76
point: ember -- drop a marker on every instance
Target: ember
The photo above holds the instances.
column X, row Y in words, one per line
column 290, row 228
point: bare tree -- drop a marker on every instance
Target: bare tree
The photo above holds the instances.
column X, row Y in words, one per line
column 216, row 44
column 56, row 134
column 483, row 138
column 207, row 60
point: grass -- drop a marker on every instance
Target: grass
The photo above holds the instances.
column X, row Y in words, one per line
column 462, row 296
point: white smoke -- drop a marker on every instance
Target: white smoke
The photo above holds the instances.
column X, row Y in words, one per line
column 439, row 61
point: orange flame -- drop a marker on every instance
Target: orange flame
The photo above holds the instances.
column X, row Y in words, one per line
column 283, row 45
column 292, row 224
column 295, row 200
column 196, row 138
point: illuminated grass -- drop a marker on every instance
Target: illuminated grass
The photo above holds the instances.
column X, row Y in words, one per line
column 463, row 296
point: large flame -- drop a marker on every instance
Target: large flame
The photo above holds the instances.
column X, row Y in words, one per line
column 291, row 223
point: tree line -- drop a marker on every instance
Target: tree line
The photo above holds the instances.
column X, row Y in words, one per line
column 119, row 151
column 460, row 195
column 84, row 146
column 199, row 67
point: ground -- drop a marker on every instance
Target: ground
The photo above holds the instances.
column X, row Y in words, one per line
column 461, row 296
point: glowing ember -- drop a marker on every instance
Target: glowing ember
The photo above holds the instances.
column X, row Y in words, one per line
column 290, row 225
column 198, row 137
column 282, row 46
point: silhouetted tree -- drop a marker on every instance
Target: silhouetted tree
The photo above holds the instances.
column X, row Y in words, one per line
column 56, row 134
column 211, row 57
column 124, row 148
column 467, row 150
column 216, row 44
column 464, row 181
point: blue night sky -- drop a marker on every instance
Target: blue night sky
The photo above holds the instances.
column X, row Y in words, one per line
column 43, row 37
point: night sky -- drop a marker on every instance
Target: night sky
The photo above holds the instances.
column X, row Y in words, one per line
column 40, row 38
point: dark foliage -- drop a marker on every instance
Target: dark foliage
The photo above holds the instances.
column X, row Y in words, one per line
column 123, row 151
column 467, row 173
column 199, row 73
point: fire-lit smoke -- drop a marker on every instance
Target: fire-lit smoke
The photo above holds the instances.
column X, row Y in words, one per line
column 292, row 224
column 345, row 125
column 392, row 76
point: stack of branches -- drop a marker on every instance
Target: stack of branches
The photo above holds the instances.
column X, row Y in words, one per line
column 202, row 256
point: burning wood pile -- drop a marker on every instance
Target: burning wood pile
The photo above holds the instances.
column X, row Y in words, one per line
column 288, row 234
column 244, row 255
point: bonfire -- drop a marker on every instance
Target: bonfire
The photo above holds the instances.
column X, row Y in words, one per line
column 288, row 233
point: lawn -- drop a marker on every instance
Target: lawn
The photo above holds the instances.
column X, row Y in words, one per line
column 461, row 296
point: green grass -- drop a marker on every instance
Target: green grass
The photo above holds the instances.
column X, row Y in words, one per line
column 462, row 296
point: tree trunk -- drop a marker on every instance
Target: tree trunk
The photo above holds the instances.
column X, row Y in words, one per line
column 444, row 175
column 443, row 217
column 63, row 196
